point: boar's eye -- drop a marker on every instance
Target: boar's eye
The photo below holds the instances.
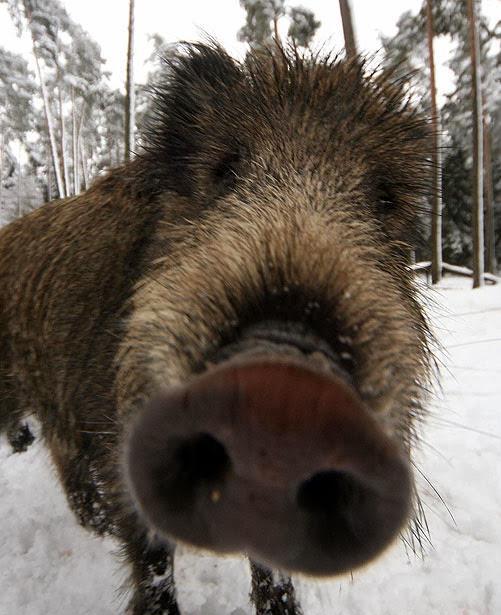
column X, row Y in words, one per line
column 386, row 200
column 226, row 171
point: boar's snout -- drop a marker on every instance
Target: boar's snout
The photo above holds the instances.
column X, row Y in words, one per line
column 267, row 454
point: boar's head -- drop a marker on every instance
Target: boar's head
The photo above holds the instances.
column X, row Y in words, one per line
column 274, row 361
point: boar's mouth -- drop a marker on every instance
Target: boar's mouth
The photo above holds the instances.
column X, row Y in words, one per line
column 271, row 451
column 288, row 339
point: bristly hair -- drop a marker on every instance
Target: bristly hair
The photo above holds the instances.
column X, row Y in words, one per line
column 204, row 112
column 195, row 79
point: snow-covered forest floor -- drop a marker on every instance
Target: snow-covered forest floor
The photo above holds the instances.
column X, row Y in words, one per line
column 48, row 564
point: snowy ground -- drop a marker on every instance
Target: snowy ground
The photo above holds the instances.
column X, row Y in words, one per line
column 48, row 564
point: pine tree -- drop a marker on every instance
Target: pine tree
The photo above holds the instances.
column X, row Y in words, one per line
column 405, row 53
column 17, row 88
column 43, row 22
column 303, row 26
column 69, row 67
column 457, row 213
column 459, row 117
column 261, row 21
column 83, row 78
column 263, row 16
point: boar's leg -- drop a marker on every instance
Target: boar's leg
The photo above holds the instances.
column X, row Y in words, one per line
column 12, row 411
column 152, row 576
column 87, row 485
column 81, row 473
column 272, row 596
column 20, row 437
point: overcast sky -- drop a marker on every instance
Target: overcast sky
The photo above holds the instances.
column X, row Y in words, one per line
column 186, row 19
column 106, row 21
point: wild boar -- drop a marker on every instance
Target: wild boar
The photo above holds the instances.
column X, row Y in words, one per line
column 222, row 339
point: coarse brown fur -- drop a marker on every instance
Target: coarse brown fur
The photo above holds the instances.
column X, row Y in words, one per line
column 282, row 187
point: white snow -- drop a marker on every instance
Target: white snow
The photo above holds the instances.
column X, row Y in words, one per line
column 48, row 564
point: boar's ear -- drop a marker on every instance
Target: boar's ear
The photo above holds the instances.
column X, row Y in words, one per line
column 190, row 145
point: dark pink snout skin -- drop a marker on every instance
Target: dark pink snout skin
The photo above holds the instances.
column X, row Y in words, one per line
column 269, row 457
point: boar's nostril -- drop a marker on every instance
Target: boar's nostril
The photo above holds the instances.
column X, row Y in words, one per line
column 337, row 504
column 203, row 458
column 327, row 492
column 193, row 463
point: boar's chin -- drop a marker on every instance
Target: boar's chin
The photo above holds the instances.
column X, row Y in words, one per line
column 270, row 452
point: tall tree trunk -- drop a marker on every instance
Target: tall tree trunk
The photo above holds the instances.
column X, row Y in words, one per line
column 64, row 155
column 129, row 88
column 50, row 128
column 18, row 213
column 477, row 214
column 79, row 136
column 350, row 44
column 85, row 175
column 46, row 106
column 490, row 254
column 49, row 181
column 436, row 210
column 74, row 143
column 2, row 145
